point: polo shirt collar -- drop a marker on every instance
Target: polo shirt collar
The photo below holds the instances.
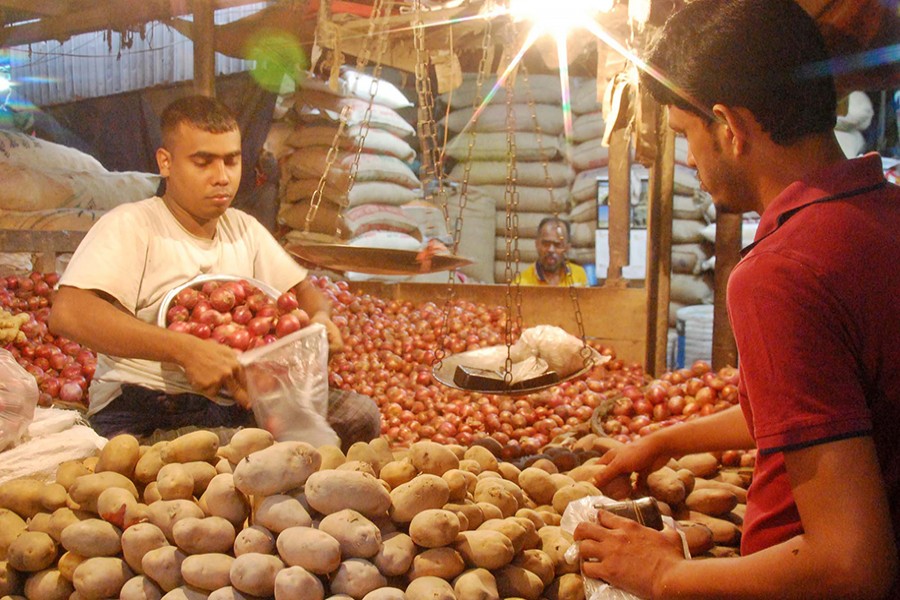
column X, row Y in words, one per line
column 846, row 178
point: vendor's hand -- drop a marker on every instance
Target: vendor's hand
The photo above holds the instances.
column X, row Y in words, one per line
column 626, row 554
column 645, row 454
column 237, row 386
column 335, row 341
column 208, row 365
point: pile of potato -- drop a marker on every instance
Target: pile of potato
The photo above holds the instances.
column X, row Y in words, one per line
column 256, row 518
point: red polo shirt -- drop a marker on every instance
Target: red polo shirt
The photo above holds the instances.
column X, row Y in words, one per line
column 815, row 308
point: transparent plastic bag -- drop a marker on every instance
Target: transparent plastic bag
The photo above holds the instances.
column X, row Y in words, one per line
column 287, row 382
column 18, row 398
column 584, row 510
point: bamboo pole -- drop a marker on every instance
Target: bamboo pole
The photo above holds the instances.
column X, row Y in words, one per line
column 204, row 47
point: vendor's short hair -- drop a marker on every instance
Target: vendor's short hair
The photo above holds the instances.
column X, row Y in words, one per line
column 202, row 112
column 563, row 222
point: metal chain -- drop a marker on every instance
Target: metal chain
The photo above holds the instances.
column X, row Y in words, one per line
column 316, row 198
column 425, row 125
column 483, row 67
column 573, row 296
column 511, row 197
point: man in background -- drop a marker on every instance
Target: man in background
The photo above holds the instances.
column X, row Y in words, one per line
column 552, row 266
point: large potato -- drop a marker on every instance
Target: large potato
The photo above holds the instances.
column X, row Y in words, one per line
column 445, row 563
column 397, row 472
column 296, row 583
column 196, row 445
column 280, row 511
column 67, row 564
column 434, row 527
column 222, row 499
column 255, row 573
column 476, row 584
column 163, row 565
column 207, row 571
column 356, row 577
column 276, row 469
column 10, row 579
column 423, row 492
column 11, row 525
column 485, row 549
column 113, row 505
column 244, row 443
column 358, row 537
column 335, row 490
column 429, row 588
column 432, row 458
column 396, row 554
column 149, row 464
column 92, row 537
column 69, row 471
column 22, row 496
column 138, row 540
column 120, row 455
column 48, row 584
column 85, row 490
column 516, row 582
column 254, row 540
column 101, row 577
column 166, row 513
column 32, row 551
column 314, row 550
column 174, row 482
column 209, row 535
column 140, row 587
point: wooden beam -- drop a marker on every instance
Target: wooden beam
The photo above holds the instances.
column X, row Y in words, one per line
column 619, row 206
column 107, row 15
column 728, row 253
column 204, row 47
column 40, row 7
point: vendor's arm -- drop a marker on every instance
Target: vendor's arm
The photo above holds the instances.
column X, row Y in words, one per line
column 318, row 308
column 725, row 430
column 846, row 551
column 92, row 319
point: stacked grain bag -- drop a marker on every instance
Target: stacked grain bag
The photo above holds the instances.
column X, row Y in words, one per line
column 383, row 178
column 47, row 186
column 543, row 177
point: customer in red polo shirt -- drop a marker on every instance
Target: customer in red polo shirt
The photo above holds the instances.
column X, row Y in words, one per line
column 815, row 308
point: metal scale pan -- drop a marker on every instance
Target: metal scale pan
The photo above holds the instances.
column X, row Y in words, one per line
column 377, row 261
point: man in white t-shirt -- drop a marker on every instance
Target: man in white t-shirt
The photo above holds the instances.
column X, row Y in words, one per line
column 149, row 377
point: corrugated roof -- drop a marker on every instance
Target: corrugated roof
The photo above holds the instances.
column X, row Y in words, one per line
column 84, row 66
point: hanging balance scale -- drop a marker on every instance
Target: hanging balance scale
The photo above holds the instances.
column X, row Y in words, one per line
column 491, row 370
column 332, row 252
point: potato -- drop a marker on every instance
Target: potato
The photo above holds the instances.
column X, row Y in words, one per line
column 702, row 464
column 484, row 548
column 202, row 473
column 254, row 540
column 531, row 515
column 724, row 533
column 569, row 586
column 574, row 491
column 138, row 540
column 397, row 472
column 489, row 511
column 101, row 577
column 509, row 471
column 163, row 565
column 356, row 577
column 67, row 564
column 358, row 537
column 223, row 466
column 22, row 496
column 470, row 511
column 229, row 593
column 40, row 522
column 544, row 464
column 483, row 457
column 280, row 511
column 208, row 535
column 364, row 453
column 85, row 490
column 429, row 588
column 445, row 563
column 423, row 492
column 254, row 573
column 434, row 527
column 120, row 455
column 166, row 513
column 698, row 536
column 712, row 501
column 538, row 562
column 357, row 465
column 385, row 593
column 140, row 587
column 92, row 537
column 432, row 458
column 537, row 484
column 113, row 504
column 9, row 579
column 470, row 466
column 503, row 494
column 174, row 482
column 332, row 457
column 512, row 529
column 665, row 485
column 32, row 551
column 48, row 585
column 53, row 496
column 222, row 499
column 245, row 442
column 11, row 525
column 555, row 542
column 276, row 469
column 476, row 584
column 196, row 445
column 739, row 492
column 461, row 483
column 209, row 571
column 149, row 464
column 396, row 554
column 297, row 583
column 69, row 471
column 381, row 451
column 332, row 491
column 314, row 550
column 516, row 582
column 151, row 493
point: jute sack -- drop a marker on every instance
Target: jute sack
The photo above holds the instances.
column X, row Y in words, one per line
column 24, row 189
column 688, row 258
column 62, row 219
column 28, row 151
column 310, row 105
column 311, row 163
column 583, row 235
column 584, row 187
column 688, row 207
column 685, row 231
column 363, row 192
column 276, row 139
column 353, row 84
column 476, row 239
column 543, row 89
column 377, row 141
column 590, row 155
column 327, row 218
column 528, row 222
column 493, row 146
column 531, row 198
column 691, row 289
column 493, row 118
column 379, row 217
column 528, row 173
column 588, row 126
column 584, row 98
column 586, row 212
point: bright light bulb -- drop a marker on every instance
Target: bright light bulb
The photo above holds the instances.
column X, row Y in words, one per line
column 560, row 17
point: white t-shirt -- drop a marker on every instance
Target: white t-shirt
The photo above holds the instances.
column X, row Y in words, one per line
column 138, row 251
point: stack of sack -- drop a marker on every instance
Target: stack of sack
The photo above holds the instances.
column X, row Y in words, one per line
column 543, row 178
column 47, row 186
column 302, row 138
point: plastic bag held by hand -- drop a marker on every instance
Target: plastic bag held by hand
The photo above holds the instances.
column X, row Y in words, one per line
column 18, row 397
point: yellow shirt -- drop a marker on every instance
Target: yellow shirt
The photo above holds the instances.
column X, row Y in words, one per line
column 575, row 276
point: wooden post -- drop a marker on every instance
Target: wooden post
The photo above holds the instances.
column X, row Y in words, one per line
column 619, row 206
column 204, row 47
column 659, row 247
column 728, row 253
